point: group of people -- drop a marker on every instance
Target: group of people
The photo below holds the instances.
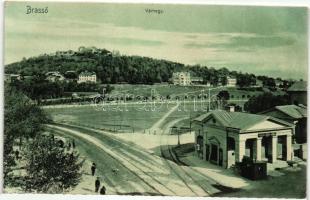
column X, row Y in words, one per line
column 97, row 182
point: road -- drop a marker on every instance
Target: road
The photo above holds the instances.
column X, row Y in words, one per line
column 157, row 125
column 138, row 172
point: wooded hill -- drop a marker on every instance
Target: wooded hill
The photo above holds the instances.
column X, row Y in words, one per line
column 111, row 67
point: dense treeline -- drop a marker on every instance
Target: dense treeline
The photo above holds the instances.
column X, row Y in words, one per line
column 265, row 101
column 112, row 67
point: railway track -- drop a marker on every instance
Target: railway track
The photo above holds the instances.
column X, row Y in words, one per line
column 120, row 157
column 168, row 154
column 166, row 157
column 124, row 150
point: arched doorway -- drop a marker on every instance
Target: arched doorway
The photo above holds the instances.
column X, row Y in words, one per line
column 214, row 155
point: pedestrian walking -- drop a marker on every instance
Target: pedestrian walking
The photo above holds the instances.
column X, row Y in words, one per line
column 73, row 144
column 97, row 184
column 93, row 169
column 102, row 190
column 68, row 146
column 17, row 154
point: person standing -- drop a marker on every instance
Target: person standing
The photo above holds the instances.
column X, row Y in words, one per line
column 102, row 190
column 97, row 184
column 93, row 169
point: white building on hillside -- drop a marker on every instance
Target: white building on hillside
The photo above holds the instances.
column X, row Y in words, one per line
column 54, row 76
column 181, row 78
column 196, row 80
column 231, row 82
column 86, row 76
column 11, row 77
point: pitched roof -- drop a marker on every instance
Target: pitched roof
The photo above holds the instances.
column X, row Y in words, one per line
column 87, row 73
column 300, row 86
column 293, row 111
column 178, row 73
column 238, row 120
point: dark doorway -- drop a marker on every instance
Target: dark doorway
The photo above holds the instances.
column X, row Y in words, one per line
column 249, row 150
column 281, row 148
column 207, row 152
column 267, row 148
column 230, row 144
column 213, row 156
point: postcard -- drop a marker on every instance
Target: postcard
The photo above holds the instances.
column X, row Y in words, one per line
column 155, row 99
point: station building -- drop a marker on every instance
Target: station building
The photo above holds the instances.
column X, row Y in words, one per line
column 224, row 138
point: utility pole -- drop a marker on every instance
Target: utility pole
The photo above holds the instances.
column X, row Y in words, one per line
column 209, row 105
column 190, row 121
column 114, row 125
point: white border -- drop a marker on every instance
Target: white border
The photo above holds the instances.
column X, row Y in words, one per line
column 294, row 3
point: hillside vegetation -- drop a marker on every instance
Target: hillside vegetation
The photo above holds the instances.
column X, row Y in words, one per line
column 111, row 68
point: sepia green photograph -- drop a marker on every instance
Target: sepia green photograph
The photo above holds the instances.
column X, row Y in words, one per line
column 155, row 99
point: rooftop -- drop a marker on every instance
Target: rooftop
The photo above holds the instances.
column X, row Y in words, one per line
column 87, row 73
column 238, row 120
column 300, row 86
column 293, row 111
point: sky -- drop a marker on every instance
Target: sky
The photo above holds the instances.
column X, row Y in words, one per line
column 261, row 40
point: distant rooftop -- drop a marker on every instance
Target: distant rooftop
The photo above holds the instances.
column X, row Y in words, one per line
column 54, row 73
column 183, row 72
column 300, row 86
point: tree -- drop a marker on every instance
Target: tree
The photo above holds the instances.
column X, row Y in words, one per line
column 270, row 83
column 50, row 168
column 223, row 95
column 265, row 101
column 22, row 119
